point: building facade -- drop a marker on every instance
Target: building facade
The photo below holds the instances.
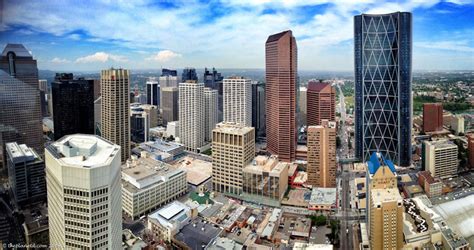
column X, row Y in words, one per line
column 470, row 149
column 383, row 101
column 238, row 100
column 115, row 108
column 233, row 147
column 73, row 105
column 189, row 74
column 191, row 115
column 148, row 184
column 84, row 196
column 258, row 109
column 20, row 101
column 169, row 104
column 321, row 157
column 26, row 174
column 211, row 99
column 280, row 90
column 432, row 117
column 441, row 158
column 321, row 102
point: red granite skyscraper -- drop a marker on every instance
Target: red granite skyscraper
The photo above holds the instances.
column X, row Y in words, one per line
column 432, row 117
column 280, row 88
column 320, row 103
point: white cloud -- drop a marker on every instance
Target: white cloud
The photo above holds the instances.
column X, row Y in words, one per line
column 164, row 56
column 59, row 60
column 458, row 45
column 101, row 57
column 75, row 37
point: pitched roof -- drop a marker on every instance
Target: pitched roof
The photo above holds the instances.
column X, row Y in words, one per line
column 376, row 160
column 18, row 49
column 317, row 86
column 277, row 36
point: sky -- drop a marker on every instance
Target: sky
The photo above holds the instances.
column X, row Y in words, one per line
column 141, row 34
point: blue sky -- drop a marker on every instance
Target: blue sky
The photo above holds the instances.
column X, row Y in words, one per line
column 142, row 34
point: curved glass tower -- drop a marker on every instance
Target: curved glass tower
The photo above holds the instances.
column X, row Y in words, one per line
column 383, row 103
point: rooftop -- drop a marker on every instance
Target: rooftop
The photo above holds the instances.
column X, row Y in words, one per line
column 376, row 160
column 266, row 164
column 198, row 171
column 18, row 49
column 323, row 196
column 84, row 150
column 21, row 153
column 175, row 211
column 442, row 144
column 277, row 36
column 385, row 195
column 161, row 145
column 317, row 86
column 199, row 234
column 232, row 128
column 143, row 172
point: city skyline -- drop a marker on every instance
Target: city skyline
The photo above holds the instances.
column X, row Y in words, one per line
column 323, row 30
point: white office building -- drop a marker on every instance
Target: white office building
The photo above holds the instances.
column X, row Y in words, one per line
column 237, row 101
column 191, row 115
column 84, row 195
column 210, row 112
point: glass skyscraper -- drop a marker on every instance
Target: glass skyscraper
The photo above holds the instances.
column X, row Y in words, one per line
column 383, row 103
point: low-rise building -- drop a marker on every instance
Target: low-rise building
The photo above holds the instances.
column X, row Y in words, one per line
column 323, row 199
column 168, row 221
column 266, row 177
column 160, row 150
column 148, row 184
column 198, row 172
column 433, row 187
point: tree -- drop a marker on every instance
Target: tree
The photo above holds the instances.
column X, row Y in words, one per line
column 338, row 142
column 318, row 220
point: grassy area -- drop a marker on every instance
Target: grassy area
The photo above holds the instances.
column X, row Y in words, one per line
column 208, row 152
column 201, row 199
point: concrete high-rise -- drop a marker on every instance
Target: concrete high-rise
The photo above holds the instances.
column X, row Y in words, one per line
column 233, row 147
column 258, row 109
column 383, row 101
column 84, row 193
column 280, row 89
column 321, row 144
column 26, row 174
column 301, row 112
column 168, row 81
column 238, row 100
column 115, row 108
column 189, row 74
column 73, row 105
column 169, row 104
column 214, row 80
column 385, row 208
column 210, row 112
column 191, row 108
column 432, row 117
column 43, row 88
column 321, row 102
column 20, row 104
column 441, row 158
column 153, row 92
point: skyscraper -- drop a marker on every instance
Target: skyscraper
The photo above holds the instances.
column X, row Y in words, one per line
column 238, row 100
column 258, row 109
column 322, row 154
column 43, row 87
column 73, row 105
column 20, row 105
column 233, row 147
column 153, row 92
column 25, row 174
column 321, row 102
column 280, row 89
column 210, row 112
column 191, row 108
column 169, row 72
column 432, row 117
column 189, row 74
column 470, row 150
column 384, row 209
column 84, row 193
column 214, row 80
column 383, row 103
column 169, row 104
column 115, row 109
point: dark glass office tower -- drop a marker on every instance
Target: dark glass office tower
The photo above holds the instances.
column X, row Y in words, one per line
column 73, row 105
column 20, row 104
column 189, row 74
column 153, row 92
column 169, row 72
column 383, row 103
column 214, row 80
column 258, row 109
